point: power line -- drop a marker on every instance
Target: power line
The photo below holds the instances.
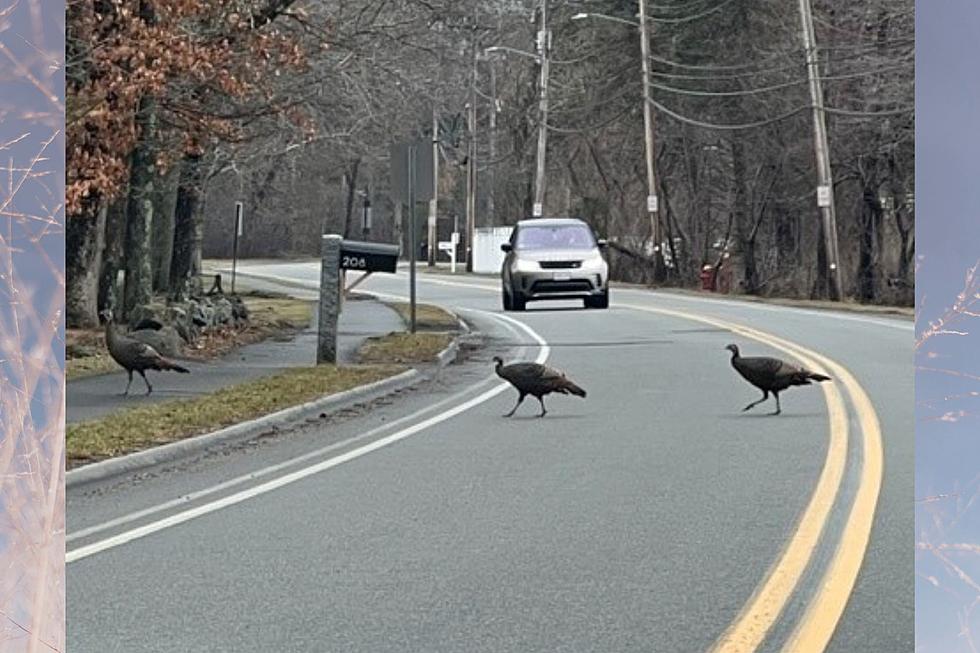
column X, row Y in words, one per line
column 678, row 64
column 774, row 87
column 869, row 114
column 783, row 116
column 687, row 19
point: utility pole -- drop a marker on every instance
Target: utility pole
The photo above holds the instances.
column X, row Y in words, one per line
column 825, row 190
column 471, row 163
column 491, row 216
column 653, row 208
column 434, row 203
column 544, row 45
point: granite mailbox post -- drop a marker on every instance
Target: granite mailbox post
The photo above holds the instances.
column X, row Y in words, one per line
column 338, row 256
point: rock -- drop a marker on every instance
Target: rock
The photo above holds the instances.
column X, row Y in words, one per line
column 167, row 341
column 239, row 308
column 200, row 312
column 148, row 323
column 147, row 313
column 224, row 312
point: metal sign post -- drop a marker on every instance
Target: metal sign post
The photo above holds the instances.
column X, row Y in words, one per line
column 239, row 220
column 413, row 182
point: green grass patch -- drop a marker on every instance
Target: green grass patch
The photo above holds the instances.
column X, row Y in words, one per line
column 403, row 348
column 146, row 426
column 427, row 316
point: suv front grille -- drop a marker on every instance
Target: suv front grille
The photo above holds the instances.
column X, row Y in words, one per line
column 560, row 265
column 573, row 285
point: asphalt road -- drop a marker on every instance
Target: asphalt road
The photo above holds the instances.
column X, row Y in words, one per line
column 647, row 517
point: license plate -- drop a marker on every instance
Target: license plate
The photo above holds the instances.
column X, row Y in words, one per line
column 562, row 276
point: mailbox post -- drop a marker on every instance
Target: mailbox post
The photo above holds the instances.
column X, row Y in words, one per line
column 326, row 349
column 342, row 255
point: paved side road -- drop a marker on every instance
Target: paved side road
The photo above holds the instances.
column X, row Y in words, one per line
column 100, row 395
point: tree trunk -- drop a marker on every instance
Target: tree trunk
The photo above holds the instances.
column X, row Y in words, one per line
column 139, row 214
column 743, row 220
column 867, row 272
column 188, row 227
column 112, row 253
column 821, row 285
column 350, row 178
column 83, row 258
column 162, row 237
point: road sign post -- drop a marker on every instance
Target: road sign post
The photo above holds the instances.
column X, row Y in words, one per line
column 412, row 180
column 239, row 225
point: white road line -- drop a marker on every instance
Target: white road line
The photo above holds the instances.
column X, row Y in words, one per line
column 204, row 509
column 265, row 471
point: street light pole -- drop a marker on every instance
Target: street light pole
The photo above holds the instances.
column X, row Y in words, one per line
column 653, row 208
column 471, row 164
column 544, row 45
column 825, row 190
column 434, row 203
column 492, row 186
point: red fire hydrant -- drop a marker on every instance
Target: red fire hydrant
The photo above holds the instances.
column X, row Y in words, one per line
column 707, row 278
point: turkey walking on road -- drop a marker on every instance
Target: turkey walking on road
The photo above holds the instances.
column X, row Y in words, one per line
column 135, row 356
column 771, row 375
column 535, row 379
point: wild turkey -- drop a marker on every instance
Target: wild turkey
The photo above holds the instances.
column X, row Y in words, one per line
column 771, row 375
column 134, row 355
column 535, row 379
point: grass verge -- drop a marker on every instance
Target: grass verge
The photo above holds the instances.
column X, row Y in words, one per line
column 271, row 316
column 427, row 316
column 403, row 348
column 147, row 426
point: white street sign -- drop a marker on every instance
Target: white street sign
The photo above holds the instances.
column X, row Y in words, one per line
column 538, row 209
column 823, row 196
column 651, row 203
column 239, row 217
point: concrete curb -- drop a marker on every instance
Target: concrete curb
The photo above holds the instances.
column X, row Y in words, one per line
column 140, row 460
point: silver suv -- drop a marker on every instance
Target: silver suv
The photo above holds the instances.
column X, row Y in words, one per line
column 554, row 258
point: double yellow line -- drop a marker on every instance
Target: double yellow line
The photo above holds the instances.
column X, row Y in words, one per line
column 817, row 625
column 819, row 621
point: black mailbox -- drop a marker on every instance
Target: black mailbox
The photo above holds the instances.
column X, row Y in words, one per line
column 368, row 257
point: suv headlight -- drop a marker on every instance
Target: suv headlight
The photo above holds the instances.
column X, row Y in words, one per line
column 595, row 262
column 524, row 265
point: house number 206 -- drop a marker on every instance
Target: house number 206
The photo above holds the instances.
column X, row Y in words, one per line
column 353, row 262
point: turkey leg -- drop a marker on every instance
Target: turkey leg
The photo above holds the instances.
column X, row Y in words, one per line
column 519, row 400
column 765, row 395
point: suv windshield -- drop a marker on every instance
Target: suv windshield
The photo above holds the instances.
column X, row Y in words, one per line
column 563, row 237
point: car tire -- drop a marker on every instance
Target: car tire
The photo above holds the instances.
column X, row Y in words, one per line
column 598, row 301
column 518, row 301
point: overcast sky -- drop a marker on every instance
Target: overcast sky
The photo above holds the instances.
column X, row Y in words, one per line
column 948, row 240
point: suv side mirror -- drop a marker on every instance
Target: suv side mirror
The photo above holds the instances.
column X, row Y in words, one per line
column 506, row 247
column 602, row 242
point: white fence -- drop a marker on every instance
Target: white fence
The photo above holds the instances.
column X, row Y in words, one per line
column 487, row 255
